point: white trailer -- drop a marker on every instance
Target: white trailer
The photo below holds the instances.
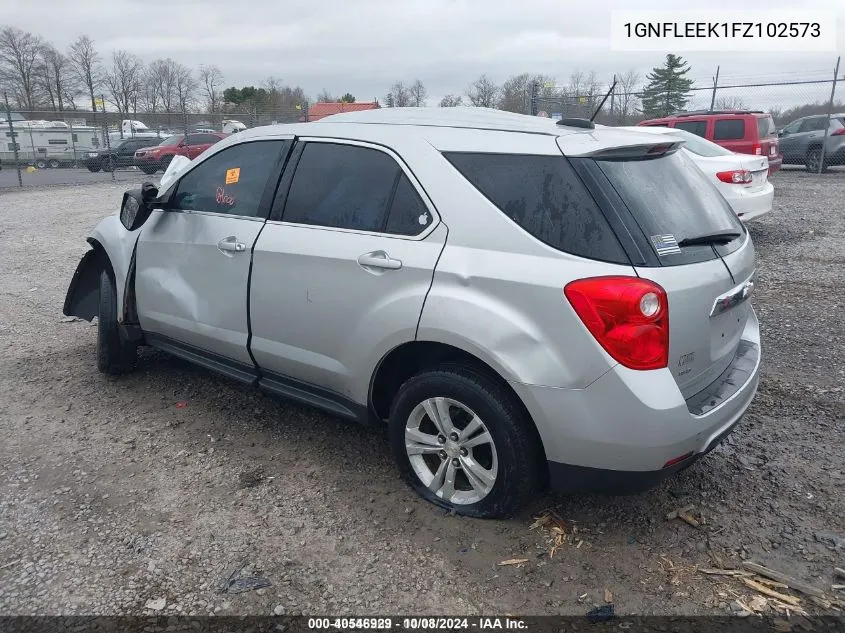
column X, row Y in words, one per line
column 49, row 143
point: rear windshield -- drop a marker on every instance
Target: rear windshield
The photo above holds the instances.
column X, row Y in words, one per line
column 766, row 126
column 670, row 196
column 545, row 197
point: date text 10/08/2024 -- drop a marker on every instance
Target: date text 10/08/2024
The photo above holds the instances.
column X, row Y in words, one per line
column 421, row 623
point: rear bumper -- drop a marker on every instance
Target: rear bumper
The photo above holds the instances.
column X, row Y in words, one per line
column 775, row 163
column 749, row 205
column 619, row 433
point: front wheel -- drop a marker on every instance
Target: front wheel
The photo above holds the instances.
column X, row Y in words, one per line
column 148, row 170
column 41, row 164
column 54, row 164
column 93, row 168
column 813, row 160
column 114, row 354
column 463, row 442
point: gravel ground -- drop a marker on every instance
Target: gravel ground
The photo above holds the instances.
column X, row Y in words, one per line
column 113, row 500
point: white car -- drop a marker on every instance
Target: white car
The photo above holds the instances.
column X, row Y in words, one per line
column 743, row 179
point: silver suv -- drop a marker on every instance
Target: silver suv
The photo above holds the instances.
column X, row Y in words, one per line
column 522, row 302
column 801, row 141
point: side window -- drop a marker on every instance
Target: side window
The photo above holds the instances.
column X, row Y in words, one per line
column 408, row 213
column 729, row 130
column 813, row 124
column 698, row 128
column 793, row 127
column 546, row 198
column 231, row 181
column 342, row 186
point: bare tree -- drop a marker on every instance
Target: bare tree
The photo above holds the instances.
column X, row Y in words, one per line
column 451, row 101
column 19, row 56
column 211, row 82
column 399, row 96
column 123, row 80
column 57, row 79
column 85, row 62
column 484, row 92
column 162, row 75
column 324, row 96
column 418, row 94
column 730, row 103
column 626, row 101
column 186, row 88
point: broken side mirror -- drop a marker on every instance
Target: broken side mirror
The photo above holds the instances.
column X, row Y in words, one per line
column 137, row 206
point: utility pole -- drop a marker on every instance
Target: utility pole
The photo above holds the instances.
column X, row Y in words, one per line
column 535, row 88
column 829, row 112
column 13, row 137
column 715, row 84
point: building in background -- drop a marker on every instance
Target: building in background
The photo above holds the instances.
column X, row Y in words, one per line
column 323, row 109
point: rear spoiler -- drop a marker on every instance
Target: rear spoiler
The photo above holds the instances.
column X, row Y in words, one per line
column 650, row 150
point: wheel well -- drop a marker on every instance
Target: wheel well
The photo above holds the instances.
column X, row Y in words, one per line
column 408, row 359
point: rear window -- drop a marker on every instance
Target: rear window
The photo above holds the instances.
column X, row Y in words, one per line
column 546, row 198
column 766, row 127
column 699, row 128
column 729, row 130
column 669, row 196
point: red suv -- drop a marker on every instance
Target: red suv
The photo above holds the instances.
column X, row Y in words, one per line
column 151, row 159
column 741, row 131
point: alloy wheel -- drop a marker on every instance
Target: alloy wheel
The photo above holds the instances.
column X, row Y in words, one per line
column 451, row 450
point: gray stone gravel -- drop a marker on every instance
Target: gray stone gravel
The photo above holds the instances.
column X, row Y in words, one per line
column 114, row 501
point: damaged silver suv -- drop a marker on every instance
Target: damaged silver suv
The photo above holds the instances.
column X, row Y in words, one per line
column 522, row 302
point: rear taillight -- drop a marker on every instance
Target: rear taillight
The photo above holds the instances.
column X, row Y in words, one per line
column 758, row 149
column 839, row 132
column 628, row 316
column 736, row 176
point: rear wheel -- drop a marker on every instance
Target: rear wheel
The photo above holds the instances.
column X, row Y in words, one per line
column 41, row 164
column 813, row 159
column 54, row 164
column 463, row 443
column 114, row 354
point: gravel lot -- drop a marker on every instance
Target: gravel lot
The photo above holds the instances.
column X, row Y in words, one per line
column 113, row 500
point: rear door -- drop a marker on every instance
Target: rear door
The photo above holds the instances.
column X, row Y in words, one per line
column 193, row 257
column 670, row 200
column 341, row 273
column 694, row 126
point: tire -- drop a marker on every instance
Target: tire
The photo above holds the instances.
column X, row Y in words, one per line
column 54, row 164
column 94, row 168
column 41, row 164
column 512, row 462
column 149, row 170
column 812, row 160
column 114, row 355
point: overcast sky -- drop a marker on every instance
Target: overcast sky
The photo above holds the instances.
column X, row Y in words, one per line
column 362, row 46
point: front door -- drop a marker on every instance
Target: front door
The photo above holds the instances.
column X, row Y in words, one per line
column 342, row 278
column 193, row 257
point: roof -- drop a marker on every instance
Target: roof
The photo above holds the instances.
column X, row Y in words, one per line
column 327, row 108
column 458, row 129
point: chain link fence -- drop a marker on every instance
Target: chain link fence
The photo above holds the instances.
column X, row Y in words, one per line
column 74, row 140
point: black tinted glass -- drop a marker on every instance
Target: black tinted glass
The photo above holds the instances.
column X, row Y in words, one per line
column 545, row 197
column 670, row 196
column 343, row 186
column 699, row 128
column 408, row 213
column 729, row 130
column 231, row 181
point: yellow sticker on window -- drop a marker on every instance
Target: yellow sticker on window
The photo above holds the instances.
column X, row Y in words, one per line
column 233, row 175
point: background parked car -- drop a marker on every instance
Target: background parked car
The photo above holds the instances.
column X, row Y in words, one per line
column 742, row 179
column 743, row 131
column 157, row 158
column 121, row 154
column 801, row 141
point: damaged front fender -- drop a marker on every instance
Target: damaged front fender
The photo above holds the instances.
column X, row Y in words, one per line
column 83, row 295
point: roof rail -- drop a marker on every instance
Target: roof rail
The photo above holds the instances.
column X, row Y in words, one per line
column 703, row 112
column 577, row 122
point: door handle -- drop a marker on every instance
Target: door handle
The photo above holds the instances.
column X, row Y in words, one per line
column 379, row 259
column 231, row 245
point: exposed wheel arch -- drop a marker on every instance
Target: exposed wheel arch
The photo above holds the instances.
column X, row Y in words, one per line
column 410, row 358
column 83, row 295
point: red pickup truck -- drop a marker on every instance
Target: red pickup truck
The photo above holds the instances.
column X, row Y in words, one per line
column 152, row 159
